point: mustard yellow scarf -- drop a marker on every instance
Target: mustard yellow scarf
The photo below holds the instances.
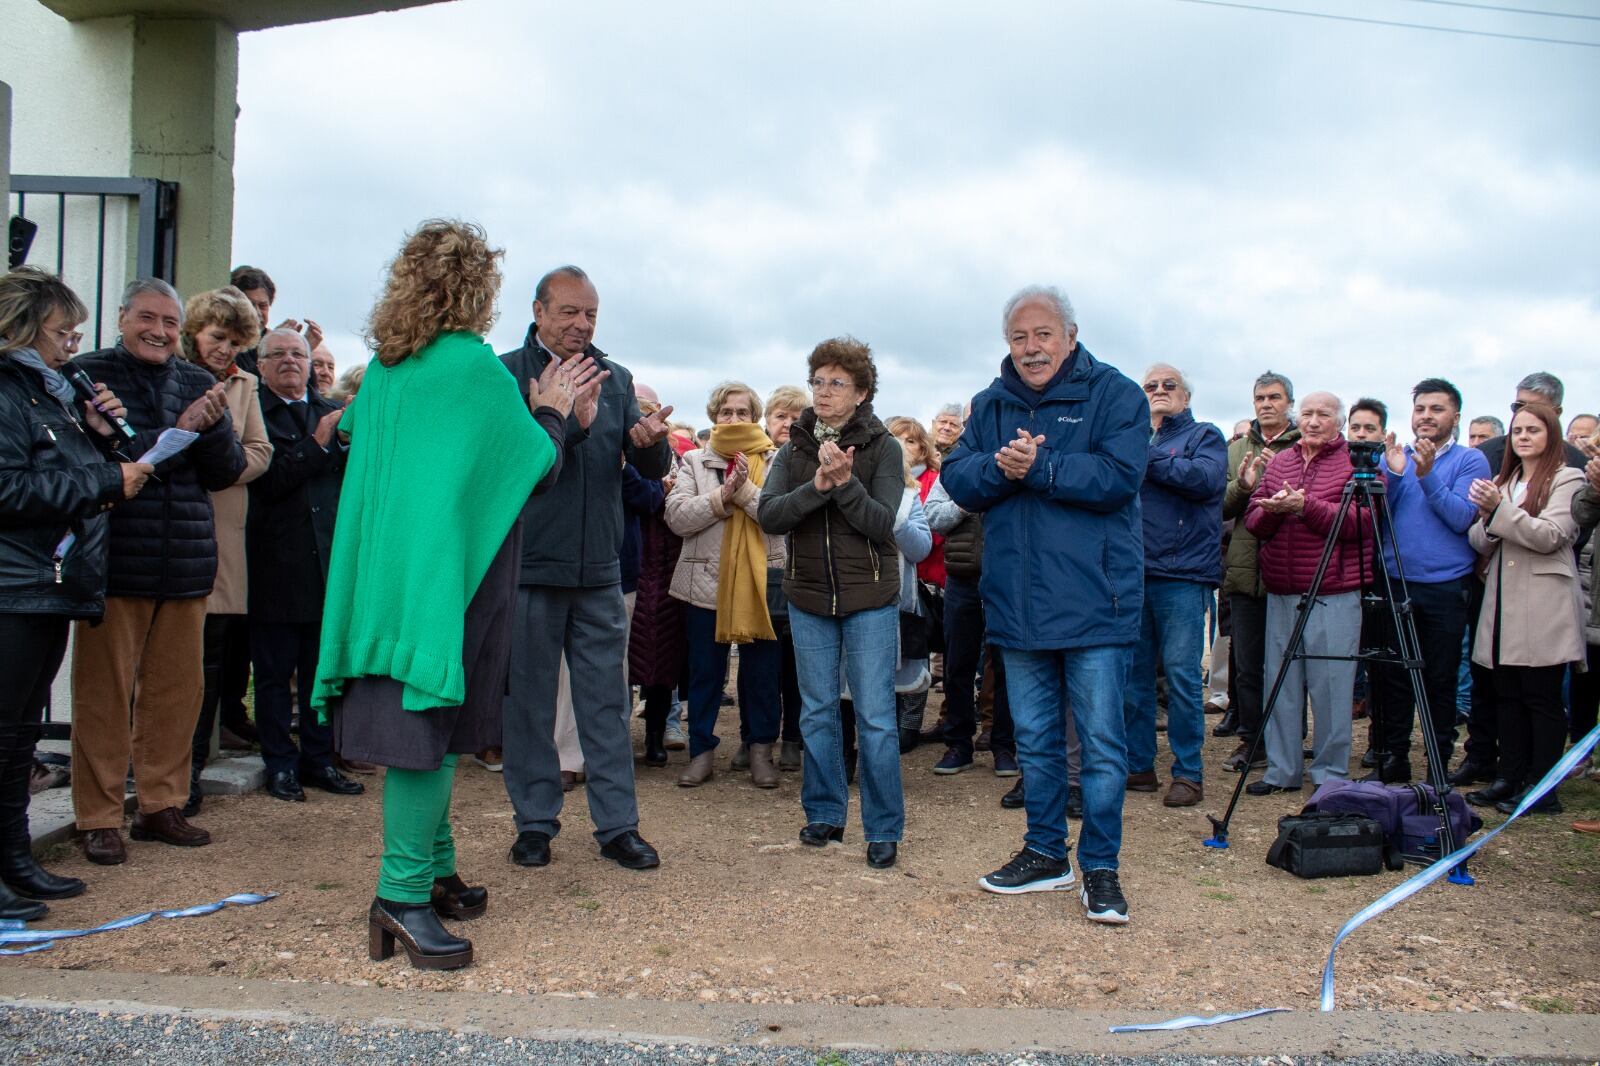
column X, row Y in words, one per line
column 742, row 580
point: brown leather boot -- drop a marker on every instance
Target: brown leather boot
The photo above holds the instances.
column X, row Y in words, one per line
column 169, row 826
column 762, row 773
column 104, row 847
column 699, row 771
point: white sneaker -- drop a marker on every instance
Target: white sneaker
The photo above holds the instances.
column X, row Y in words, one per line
column 675, row 739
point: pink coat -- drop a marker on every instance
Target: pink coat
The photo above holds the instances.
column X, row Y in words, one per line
column 1291, row 545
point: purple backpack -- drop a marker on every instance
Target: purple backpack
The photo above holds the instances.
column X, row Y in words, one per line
column 1406, row 813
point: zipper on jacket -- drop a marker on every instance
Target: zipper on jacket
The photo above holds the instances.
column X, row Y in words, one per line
column 827, row 551
column 873, row 551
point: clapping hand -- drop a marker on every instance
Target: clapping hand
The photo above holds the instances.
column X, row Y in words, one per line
column 651, row 429
column 1592, row 472
column 204, row 412
column 1394, row 454
column 1016, row 458
column 326, row 425
column 834, row 466
column 1250, row 470
column 1423, row 453
column 738, row 474
column 1285, row 501
column 1484, row 493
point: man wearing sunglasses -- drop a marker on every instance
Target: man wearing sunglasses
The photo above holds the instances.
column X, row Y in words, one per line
column 1186, row 474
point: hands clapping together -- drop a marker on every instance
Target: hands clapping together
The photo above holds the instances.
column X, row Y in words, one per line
column 834, row 466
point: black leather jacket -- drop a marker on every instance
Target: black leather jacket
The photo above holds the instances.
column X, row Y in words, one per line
column 54, row 480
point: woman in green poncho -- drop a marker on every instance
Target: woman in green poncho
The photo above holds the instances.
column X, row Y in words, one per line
column 444, row 452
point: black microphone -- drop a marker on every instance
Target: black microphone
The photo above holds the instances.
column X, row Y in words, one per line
column 85, row 388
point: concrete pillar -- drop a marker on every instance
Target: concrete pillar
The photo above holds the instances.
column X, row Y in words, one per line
column 185, row 99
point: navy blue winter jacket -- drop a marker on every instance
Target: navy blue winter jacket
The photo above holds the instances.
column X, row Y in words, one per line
column 1063, row 552
column 1184, row 483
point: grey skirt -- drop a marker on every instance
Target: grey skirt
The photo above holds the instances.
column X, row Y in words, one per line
column 369, row 723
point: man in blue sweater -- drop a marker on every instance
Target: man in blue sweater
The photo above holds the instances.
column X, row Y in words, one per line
column 1428, row 501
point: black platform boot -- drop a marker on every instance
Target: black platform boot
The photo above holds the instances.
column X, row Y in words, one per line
column 655, row 745
column 427, row 944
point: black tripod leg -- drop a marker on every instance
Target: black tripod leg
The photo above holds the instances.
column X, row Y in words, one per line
column 1219, row 828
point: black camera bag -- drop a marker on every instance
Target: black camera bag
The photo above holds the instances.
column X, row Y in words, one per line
column 1324, row 844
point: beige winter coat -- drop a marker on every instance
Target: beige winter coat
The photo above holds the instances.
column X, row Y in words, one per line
column 695, row 512
column 1532, row 571
column 230, row 594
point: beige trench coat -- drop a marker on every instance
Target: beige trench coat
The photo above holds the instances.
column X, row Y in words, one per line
column 1532, row 582
column 695, row 511
column 230, row 594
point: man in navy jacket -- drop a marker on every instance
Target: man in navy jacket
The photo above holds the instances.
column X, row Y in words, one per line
column 1053, row 455
column 1184, row 481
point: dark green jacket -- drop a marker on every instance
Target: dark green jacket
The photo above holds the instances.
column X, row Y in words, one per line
column 842, row 553
column 1241, row 572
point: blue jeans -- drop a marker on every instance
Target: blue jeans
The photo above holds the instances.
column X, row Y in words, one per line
column 869, row 642
column 1042, row 684
column 760, row 679
column 1173, row 627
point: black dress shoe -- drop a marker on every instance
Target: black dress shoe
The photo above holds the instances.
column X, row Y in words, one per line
column 1392, row 770
column 15, row 908
column 881, row 854
column 1470, row 772
column 23, row 875
column 454, row 898
column 1262, row 788
column 818, row 834
column 1016, row 798
column 330, row 780
column 285, row 785
column 1228, row 726
column 631, row 852
column 1551, row 804
column 1495, row 793
column 531, row 849
column 909, row 739
column 1369, row 759
column 427, row 944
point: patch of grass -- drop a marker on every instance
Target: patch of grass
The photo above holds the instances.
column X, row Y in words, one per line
column 1317, row 890
column 832, row 1058
column 1220, row 897
column 1550, row 1004
column 589, row 904
column 327, row 886
column 55, row 853
column 579, row 892
column 661, row 951
column 1208, row 882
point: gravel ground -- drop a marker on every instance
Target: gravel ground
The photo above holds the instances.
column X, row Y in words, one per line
column 75, row 1036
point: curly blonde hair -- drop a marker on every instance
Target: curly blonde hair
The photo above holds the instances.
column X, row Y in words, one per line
column 227, row 308
column 919, row 436
column 720, row 394
column 445, row 279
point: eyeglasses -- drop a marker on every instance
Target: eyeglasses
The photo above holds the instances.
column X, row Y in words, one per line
column 70, row 338
column 830, row 384
column 298, row 356
column 1164, row 385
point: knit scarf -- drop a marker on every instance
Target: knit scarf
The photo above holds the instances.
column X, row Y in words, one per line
column 742, row 578
column 54, row 380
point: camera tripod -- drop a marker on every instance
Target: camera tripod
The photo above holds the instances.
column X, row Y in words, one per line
column 1367, row 490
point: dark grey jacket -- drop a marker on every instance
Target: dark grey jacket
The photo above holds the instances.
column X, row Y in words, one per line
column 572, row 530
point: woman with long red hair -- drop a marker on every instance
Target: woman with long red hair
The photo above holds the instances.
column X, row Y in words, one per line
column 1532, row 621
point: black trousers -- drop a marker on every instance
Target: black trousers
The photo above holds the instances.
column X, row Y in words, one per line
column 226, row 653
column 1440, row 612
column 1585, row 689
column 280, row 650
column 33, row 646
column 964, row 649
column 1249, row 619
column 1533, row 720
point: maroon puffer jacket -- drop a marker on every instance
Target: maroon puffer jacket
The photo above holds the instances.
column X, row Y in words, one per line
column 657, row 649
column 1291, row 545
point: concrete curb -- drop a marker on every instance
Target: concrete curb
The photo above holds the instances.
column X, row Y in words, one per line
column 50, row 812
column 1558, row 1038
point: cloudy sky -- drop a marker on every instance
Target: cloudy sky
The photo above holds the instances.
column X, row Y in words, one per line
column 1227, row 190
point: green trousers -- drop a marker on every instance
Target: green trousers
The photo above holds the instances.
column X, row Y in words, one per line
column 417, row 845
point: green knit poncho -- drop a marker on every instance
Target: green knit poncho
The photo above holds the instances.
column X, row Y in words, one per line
column 444, row 453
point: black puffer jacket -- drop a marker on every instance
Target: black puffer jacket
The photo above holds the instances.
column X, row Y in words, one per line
column 54, row 480
column 842, row 553
column 163, row 541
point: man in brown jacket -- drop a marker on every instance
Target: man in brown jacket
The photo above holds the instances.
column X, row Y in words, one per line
column 1271, row 432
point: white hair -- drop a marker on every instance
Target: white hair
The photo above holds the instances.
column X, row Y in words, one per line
column 1047, row 294
column 951, row 409
column 1183, row 382
column 139, row 286
column 287, row 332
column 1338, row 404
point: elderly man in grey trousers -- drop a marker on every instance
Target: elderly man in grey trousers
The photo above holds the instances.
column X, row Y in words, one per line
column 570, row 599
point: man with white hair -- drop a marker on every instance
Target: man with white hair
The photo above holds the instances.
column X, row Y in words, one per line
column 1291, row 514
column 1053, row 456
column 947, row 426
column 144, row 657
column 1186, row 474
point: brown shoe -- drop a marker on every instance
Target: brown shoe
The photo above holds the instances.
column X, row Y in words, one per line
column 1592, row 826
column 762, row 773
column 1145, row 782
column 169, row 827
column 104, row 846
column 353, row 766
column 699, row 771
column 569, row 780
column 1236, row 760
column 1183, row 793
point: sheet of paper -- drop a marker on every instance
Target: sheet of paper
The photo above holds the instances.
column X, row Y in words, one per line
column 170, row 443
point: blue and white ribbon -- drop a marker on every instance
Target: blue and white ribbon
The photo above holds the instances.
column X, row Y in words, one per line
column 1194, row 1021
column 15, row 932
column 1429, row 874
